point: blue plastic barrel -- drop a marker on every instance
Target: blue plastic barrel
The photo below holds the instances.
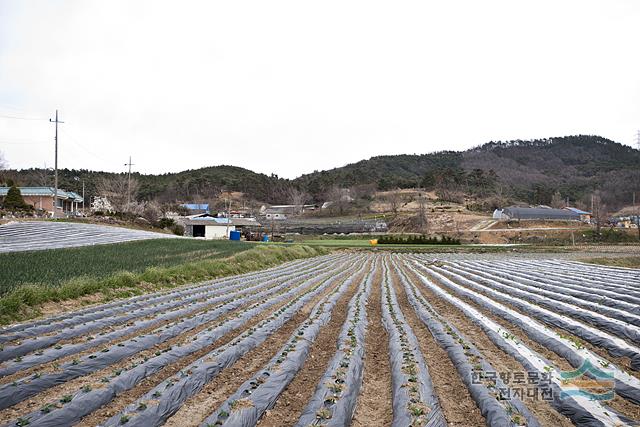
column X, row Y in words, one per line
column 234, row 235
column 265, row 238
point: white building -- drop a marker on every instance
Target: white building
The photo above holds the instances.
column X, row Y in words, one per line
column 208, row 227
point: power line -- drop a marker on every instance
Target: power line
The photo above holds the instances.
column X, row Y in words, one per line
column 21, row 118
column 76, row 143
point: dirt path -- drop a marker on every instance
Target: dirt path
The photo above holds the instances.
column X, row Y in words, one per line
column 374, row 406
column 217, row 391
column 458, row 407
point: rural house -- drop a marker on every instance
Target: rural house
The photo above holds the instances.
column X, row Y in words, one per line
column 41, row 198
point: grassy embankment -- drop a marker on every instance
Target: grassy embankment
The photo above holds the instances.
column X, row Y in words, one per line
column 628, row 261
column 30, row 279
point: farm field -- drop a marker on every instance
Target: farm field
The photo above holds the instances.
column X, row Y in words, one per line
column 40, row 235
column 361, row 338
column 55, row 266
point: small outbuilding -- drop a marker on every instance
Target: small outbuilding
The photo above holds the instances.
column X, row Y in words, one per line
column 209, row 227
column 584, row 216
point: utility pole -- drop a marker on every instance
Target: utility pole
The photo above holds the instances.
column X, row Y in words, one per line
column 635, row 210
column 228, row 215
column 129, row 183
column 55, row 179
column 638, row 139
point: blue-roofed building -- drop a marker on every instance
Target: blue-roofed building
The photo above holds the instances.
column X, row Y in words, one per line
column 41, row 198
column 584, row 215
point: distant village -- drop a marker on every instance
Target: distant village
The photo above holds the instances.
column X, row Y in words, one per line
column 199, row 220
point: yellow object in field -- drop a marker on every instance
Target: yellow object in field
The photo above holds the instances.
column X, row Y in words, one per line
column 373, row 242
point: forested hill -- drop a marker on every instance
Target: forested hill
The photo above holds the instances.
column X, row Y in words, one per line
column 529, row 171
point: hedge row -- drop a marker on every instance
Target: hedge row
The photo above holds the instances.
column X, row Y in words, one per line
column 417, row 240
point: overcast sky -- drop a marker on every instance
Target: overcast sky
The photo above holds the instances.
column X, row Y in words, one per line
column 292, row 87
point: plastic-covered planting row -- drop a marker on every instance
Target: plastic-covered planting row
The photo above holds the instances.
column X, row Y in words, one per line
column 414, row 400
column 22, row 236
column 96, row 312
column 581, row 409
column 585, row 277
column 622, row 275
column 156, row 406
column 574, row 352
column 334, row 400
column 70, row 409
column 247, row 405
column 134, row 305
column 588, row 296
column 551, row 316
column 535, row 293
column 17, row 391
column 616, row 297
column 610, row 269
column 484, row 389
column 555, row 275
column 176, row 311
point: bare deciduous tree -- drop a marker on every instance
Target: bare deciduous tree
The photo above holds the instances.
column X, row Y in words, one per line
column 422, row 213
column 43, row 176
column 557, row 201
column 116, row 189
column 599, row 210
column 395, row 201
column 297, row 198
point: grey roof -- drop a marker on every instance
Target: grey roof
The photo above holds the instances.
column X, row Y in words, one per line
column 540, row 213
column 221, row 221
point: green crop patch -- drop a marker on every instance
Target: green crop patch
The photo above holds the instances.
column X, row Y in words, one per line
column 56, row 266
column 123, row 270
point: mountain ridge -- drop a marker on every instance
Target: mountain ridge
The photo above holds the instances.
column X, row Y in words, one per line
column 527, row 170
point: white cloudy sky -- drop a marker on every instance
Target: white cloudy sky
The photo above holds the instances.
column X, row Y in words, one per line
column 289, row 87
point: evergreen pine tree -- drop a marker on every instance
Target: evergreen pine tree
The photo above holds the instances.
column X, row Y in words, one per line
column 14, row 201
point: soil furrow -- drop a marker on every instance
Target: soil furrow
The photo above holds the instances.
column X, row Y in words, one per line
column 217, row 391
column 374, row 406
column 619, row 403
column 295, row 397
column 94, row 380
column 458, row 406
